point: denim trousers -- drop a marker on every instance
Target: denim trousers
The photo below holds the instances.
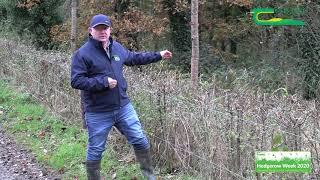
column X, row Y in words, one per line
column 124, row 119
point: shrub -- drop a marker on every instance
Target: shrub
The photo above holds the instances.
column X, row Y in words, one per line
column 32, row 18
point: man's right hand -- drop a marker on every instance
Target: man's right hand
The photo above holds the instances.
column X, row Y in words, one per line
column 112, row 83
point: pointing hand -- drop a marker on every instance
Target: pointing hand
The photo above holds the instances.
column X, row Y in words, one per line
column 166, row 54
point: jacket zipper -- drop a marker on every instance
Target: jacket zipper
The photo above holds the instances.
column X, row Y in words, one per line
column 110, row 61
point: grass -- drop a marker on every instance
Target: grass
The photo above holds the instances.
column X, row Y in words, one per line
column 55, row 144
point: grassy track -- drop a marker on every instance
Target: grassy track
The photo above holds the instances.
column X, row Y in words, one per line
column 55, row 144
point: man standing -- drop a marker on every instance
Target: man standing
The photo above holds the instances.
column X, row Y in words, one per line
column 97, row 70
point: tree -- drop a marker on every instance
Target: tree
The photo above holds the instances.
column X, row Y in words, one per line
column 73, row 39
column 195, row 42
column 309, row 47
column 131, row 25
column 34, row 19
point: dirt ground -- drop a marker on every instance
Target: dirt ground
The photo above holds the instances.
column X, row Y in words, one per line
column 17, row 163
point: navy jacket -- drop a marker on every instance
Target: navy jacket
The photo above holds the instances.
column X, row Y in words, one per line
column 91, row 67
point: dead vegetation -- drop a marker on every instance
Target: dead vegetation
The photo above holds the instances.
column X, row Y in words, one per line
column 213, row 133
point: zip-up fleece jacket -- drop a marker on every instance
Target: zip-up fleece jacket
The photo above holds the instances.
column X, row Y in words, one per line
column 91, row 67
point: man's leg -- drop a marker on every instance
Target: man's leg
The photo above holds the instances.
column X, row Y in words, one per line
column 99, row 125
column 128, row 124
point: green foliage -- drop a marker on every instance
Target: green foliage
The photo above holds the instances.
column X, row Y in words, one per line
column 180, row 34
column 3, row 11
column 278, row 144
column 33, row 20
column 310, row 66
column 5, row 94
column 277, row 139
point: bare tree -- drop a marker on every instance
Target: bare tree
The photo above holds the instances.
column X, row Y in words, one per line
column 73, row 39
column 195, row 42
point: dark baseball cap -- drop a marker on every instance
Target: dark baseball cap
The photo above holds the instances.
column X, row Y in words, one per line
column 100, row 19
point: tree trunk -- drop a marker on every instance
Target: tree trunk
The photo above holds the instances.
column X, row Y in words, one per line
column 73, row 37
column 195, row 42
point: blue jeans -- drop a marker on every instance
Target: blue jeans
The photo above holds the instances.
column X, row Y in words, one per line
column 99, row 125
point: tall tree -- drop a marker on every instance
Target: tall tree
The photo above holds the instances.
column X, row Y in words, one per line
column 73, row 39
column 195, row 42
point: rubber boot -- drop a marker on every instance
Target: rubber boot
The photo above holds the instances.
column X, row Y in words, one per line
column 144, row 158
column 93, row 170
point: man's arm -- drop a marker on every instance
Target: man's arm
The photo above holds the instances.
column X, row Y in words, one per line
column 142, row 58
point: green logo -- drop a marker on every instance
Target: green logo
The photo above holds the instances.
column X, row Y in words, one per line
column 116, row 57
column 283, row 161
column 256, row 12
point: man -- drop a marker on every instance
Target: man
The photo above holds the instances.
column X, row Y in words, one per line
column 96, row 70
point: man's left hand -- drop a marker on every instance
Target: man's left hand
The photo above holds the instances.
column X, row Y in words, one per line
column 166, row 54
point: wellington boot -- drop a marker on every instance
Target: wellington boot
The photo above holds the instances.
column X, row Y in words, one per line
column 144, row 158
column 93, row 170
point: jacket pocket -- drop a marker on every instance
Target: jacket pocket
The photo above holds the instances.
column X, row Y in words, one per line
column 124, row 85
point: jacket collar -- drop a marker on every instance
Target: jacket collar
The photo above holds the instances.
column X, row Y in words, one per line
column 98, row 44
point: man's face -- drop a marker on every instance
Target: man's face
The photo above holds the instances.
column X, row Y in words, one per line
column 100, row 32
